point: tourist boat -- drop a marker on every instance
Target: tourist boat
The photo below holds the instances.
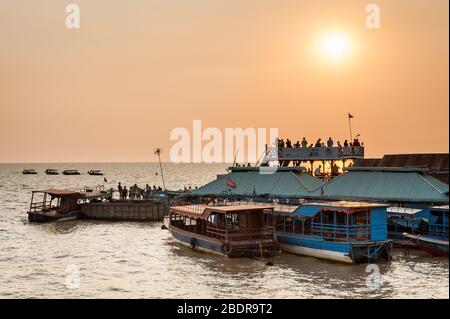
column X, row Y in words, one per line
column 51, row 171
column 95, row 172
column 425, row 228
column 228, row 230
column 71, row 172
column 350, row 232
column 29, row 172
column 59, row 204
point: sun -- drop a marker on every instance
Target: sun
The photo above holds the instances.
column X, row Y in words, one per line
column 334, row 46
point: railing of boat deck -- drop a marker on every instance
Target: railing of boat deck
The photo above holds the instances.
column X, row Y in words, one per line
column 333, row 232
column 265, row 232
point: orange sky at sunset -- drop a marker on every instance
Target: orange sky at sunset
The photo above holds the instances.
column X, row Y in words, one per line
column 114, row 89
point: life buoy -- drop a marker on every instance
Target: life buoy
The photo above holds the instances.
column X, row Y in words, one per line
column 193, row 242
column 226, row 248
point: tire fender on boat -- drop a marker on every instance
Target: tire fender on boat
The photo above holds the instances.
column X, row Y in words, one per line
column 193, row 242
column 226, row 248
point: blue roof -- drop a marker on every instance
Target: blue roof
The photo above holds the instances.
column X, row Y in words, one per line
column 307, row 211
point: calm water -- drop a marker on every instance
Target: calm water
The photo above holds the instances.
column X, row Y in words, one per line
column 133, row 260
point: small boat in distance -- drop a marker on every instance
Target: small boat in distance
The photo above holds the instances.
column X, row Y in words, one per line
column 51, row 171
column 71, row 172
column 29, row 172
column 228, row 230
column 95, row 172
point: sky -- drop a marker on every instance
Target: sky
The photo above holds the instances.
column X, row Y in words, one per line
column 114, row 89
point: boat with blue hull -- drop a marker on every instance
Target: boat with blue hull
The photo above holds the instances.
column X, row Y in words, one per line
column 228, row 230
column 424, row 228
column 349, row 232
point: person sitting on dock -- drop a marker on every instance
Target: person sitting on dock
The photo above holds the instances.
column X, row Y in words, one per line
column 304, row 142
column 330, row 142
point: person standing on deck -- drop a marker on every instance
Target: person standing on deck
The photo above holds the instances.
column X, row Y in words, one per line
column 124, row 192
column 304, row 142
column 345, row 143
column 120, row 190
column 330, row 142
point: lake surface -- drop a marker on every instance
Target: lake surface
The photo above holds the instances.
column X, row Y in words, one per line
column 92, row 259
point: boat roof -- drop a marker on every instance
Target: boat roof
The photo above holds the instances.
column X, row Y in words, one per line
column 202, row 210
column 70, row 192
column 58, row 192
column 311, row 209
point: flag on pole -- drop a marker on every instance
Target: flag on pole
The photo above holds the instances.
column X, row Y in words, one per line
column 350, row 116
column 231, row 183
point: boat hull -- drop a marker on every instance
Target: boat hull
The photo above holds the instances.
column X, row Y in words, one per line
column 262, row 248
column 346, row 252
column 433, row 246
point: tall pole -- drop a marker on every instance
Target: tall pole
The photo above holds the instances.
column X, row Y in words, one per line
column 158, row 152
column 350, row 127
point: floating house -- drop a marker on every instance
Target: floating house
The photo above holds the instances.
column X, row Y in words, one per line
column 228, row 230
column 436, row 163
column 400, row 186
column 284, row 182
column 350, row 232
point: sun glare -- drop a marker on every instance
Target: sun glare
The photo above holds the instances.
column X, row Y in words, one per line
column 334, row 46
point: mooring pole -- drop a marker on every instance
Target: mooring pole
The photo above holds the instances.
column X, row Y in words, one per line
column 158, row 152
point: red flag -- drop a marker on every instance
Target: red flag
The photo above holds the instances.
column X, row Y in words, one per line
column 350, row 116
column 230, row 183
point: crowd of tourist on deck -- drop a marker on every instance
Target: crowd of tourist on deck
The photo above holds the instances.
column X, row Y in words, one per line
column 319, row 143
column 135, row 192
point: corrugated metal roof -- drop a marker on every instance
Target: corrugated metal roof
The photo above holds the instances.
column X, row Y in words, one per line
column 283, row 183
column 438, row 164
column 400, row 186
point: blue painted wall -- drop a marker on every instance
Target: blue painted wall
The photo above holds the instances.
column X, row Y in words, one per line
column 378, row 221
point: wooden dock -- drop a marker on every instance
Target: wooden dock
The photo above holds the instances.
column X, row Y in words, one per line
column 138, row 210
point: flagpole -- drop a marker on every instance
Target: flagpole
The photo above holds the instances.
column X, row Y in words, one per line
column 350, row 127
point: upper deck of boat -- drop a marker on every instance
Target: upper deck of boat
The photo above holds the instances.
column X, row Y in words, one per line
column 200, row 209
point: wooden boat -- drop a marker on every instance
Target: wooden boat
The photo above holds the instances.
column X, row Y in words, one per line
column 423, row 228
column 51, row 171
column 434, row 246
column 350, row 232
column 95, row 172
column 59, row 204
column 71, row 172
column 29, row 172
column 232, row 230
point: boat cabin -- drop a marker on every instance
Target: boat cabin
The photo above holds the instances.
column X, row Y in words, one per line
column 350, row 232
column 60, row 204
column 51, row 204
column 432, row 221
column 230, row 230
